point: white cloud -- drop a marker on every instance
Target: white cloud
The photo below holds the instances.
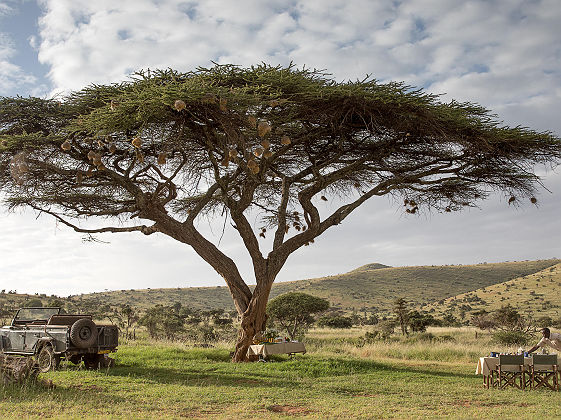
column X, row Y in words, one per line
column 11, row 75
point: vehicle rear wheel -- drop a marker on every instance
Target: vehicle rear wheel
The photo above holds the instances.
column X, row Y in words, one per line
column 93, row 361
column 76, row 359
column 83, row 333
column 46, row 359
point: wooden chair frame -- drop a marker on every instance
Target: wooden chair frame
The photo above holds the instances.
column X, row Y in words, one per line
column 511, row 372
column 547, row 372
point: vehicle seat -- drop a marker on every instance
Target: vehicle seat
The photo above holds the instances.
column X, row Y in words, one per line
column 62, row 319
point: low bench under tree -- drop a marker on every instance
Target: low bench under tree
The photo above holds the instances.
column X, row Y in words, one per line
column 166, row 148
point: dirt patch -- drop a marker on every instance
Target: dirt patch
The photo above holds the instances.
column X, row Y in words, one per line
column 288, row 409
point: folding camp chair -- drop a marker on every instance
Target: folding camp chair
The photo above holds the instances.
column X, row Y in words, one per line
column 544, row 371
column 511, row 372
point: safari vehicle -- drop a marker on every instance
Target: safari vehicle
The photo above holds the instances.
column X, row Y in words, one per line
column 49, row 335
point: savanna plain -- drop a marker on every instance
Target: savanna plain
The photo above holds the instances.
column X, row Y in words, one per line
column 424, row 375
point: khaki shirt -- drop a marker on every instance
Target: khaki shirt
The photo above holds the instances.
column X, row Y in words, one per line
column 553, row 341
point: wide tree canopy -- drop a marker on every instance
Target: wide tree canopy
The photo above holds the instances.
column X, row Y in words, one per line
column 158, row 152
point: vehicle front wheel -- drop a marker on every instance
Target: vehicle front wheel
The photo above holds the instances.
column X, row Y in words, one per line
column 46, row 359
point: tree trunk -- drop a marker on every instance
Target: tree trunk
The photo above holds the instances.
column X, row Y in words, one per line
column 254, row 320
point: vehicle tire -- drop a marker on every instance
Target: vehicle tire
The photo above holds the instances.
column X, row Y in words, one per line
column 46, row 359
column 93, row 361
column 76, row 359
column 83, row 333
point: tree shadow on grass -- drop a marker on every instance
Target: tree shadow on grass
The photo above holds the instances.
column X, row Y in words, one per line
column 280, row 373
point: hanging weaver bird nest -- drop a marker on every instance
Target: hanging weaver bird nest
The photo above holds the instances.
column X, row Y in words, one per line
column 162, row 158
column 266, row 144
column 65, row 146
column 533, row 200
column 232, row 153
column 179, row 105
column 96, row 159
column 253, row 166
column 324, row 198
column 263, row 128
column 112, row 148
column 267, row 154
column 252, row 121
column 223, row 103
column 91, row 155
column 258, row 151
column 79, row 177
column 17, row 369
column 136, row 142
column 511, row 200
column 285, row 140
column 209, row 98
column 18, row 167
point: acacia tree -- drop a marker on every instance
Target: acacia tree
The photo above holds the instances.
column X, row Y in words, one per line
column 164, row 149
column 293, row 311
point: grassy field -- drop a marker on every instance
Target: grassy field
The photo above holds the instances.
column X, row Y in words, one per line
column 408, row 378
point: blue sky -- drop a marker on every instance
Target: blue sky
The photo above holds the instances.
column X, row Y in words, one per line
column 503, row 54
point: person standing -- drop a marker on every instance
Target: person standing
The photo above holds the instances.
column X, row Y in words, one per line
column 550, row 339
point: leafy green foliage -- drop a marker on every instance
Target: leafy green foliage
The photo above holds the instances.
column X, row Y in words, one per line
column 335, row 321
column 293, row 311
column 512, row 338
column 419, row 322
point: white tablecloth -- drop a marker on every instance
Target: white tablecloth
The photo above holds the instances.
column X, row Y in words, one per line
column 276, row 348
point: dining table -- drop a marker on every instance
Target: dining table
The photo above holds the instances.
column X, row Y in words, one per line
column 266, row 349
column 486, row 365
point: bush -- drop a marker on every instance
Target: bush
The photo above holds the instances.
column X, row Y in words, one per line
column 336, row 321
column 511, row 338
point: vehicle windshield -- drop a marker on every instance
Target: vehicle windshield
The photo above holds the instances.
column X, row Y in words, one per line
column 36, row 314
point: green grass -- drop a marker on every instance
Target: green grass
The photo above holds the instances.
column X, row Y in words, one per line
column 398, row 379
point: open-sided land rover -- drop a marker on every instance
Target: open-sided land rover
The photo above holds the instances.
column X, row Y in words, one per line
column 50, row 335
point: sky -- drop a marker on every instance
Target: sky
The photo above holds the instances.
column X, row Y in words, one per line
column 502, row 54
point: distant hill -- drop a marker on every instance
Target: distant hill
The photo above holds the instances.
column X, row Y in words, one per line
column 371, row 288
column 363, row 289
column 538, row 293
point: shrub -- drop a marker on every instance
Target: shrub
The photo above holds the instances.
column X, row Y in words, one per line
column 511, row 338
column 336, row 321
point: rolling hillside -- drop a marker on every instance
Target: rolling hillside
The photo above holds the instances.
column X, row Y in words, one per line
column 370, row 288
column 538, row 293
